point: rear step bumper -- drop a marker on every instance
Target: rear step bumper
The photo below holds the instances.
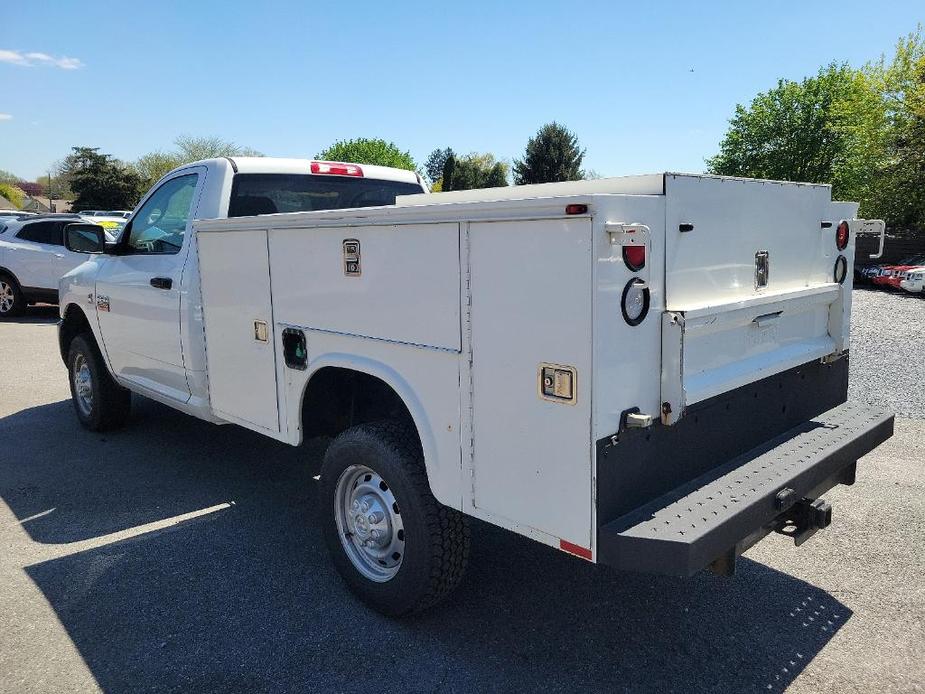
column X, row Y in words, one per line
column 710, row 520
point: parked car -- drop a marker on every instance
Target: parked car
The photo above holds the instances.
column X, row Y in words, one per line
column 125, row 214
column 32, row 260
column 892, row 275
column 15, row 213
column 914, row 281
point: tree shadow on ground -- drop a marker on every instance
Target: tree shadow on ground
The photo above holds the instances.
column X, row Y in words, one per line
column 245, row 598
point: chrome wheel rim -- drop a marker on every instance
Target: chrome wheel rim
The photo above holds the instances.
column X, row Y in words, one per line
column 83, row 385
column 6, row 297
column 369, row 523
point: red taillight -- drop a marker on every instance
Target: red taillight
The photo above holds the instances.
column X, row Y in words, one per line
column 576, row 209
column 634, row 257
column 336, row 168
column 841, row 235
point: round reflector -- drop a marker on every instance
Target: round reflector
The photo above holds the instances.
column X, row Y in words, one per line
column 634, row 257
column 635, row 303
column 841, row 269
column 841, row 235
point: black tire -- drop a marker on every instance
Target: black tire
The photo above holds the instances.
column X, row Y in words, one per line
column 110, row 404
column 9, row 289
column 436, row 538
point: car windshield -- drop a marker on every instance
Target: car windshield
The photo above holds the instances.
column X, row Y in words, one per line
column 254, row 194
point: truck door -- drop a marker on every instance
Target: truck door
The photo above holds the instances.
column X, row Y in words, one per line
column 138, row 290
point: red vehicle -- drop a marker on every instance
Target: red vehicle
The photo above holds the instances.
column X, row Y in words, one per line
column 892, row 275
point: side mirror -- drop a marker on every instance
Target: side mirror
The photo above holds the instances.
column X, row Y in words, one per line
column 85, row 238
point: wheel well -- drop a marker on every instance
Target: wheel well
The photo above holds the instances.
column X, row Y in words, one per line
column 73, row 324
column 6, row 273
column 337, row 399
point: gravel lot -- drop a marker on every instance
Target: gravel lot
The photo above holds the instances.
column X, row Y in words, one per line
column 888, row 351
column 176, row 556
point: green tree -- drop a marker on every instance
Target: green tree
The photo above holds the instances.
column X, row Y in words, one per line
column 364, row 150
column 13, row 194
column 436, row 160
column 8, row 177
column 552, row 154
column 152, row 166
column 190, row 149
column 899, row 193
column 902, row 180
column 101, row 182
column 473, row 171
column 829, row 128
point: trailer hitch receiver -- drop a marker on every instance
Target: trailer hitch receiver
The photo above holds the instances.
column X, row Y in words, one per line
column 803, row 519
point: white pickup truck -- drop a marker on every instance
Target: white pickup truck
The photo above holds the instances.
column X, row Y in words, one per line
column 648, row 372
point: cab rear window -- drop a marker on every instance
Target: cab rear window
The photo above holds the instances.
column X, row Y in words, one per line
column 253, row 194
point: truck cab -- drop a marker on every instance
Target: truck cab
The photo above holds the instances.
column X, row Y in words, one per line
column 141, row 298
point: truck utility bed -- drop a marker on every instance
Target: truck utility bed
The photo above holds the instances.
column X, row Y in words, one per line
column 500, row 319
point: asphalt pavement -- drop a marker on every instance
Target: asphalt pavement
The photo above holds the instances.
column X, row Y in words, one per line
column 175, row 555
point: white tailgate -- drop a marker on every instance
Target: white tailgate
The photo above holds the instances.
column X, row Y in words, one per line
column 531, row 303
column 722, row 329
column 235, row 293
column 706, row 352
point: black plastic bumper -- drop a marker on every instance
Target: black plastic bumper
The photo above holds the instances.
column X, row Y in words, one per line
column 723, row 512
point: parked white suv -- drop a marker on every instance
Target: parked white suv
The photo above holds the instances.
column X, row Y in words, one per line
column 32, row 260
column 914, row 281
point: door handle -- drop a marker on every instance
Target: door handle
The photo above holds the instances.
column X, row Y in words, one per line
column 161, row 282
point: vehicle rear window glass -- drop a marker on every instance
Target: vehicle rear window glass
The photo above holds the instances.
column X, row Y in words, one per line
column 51, row 233
column 253, row 194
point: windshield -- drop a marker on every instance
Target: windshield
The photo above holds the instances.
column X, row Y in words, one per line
column 254, row 194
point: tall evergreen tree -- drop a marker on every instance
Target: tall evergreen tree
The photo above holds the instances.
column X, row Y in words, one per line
column 552, row 154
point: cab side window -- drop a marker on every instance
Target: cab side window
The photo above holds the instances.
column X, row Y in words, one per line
column 49, row 233
column 160, row 224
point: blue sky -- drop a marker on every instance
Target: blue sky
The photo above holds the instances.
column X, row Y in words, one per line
column 289, row 78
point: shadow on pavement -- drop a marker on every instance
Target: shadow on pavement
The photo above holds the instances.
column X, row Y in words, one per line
column 36, row 314
column 245, row 599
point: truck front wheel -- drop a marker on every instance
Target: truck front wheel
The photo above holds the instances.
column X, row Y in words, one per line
column 393, row 543
column 99, row 401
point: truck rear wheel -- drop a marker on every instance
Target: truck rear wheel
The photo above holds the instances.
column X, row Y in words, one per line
column 393, row 543
column 99, row 401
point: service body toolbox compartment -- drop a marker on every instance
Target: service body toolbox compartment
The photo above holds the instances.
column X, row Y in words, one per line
column 649, row 372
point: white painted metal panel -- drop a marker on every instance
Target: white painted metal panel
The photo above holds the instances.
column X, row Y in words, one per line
column 235, row 294
column 531, row 303
column 734, row 219
column 407, row 290
column 646, row 184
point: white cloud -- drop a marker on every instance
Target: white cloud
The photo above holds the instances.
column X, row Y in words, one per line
column 5, row 116
column 34, row 58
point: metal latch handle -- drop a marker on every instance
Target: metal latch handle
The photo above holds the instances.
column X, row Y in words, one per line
column 766, row 319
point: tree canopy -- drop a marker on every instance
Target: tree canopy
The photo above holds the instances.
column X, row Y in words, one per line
column 862, row 130
column 364, row 150
column 824, row 129
column 100, row 182
column 152, row 166
column 436, row 160
column 473, row 171
column 552, row 154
